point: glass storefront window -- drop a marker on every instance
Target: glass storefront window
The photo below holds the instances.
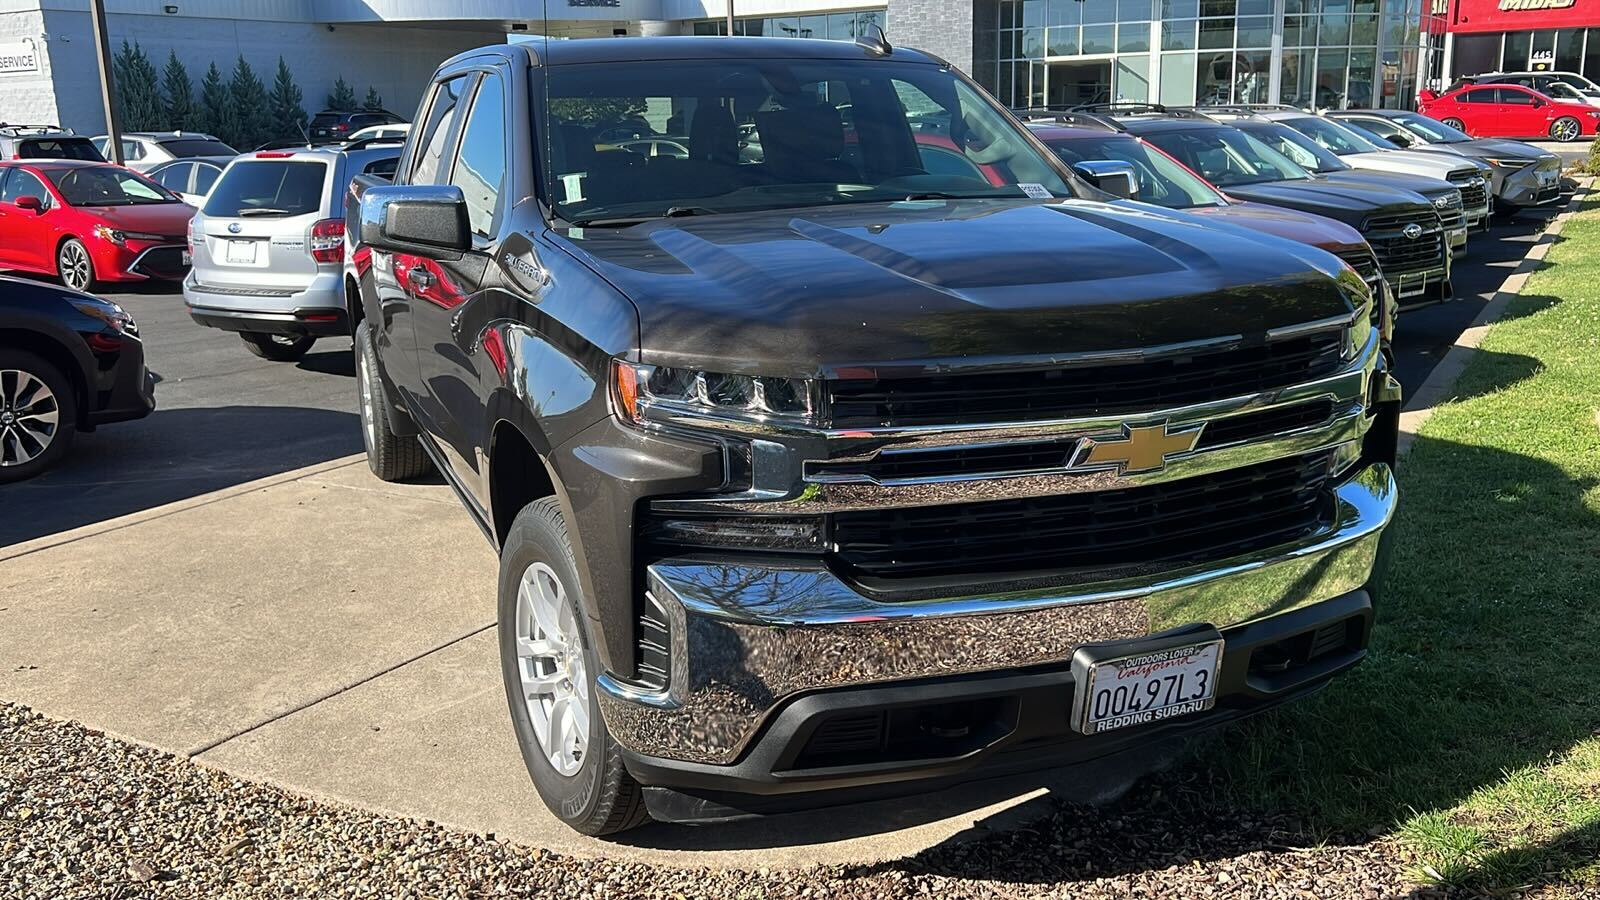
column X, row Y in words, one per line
column 1591, row 56
column 1065, row 12
column 1363, row 77
column 1177, row 36
column 1364, row 30
column 1134, row 37
column 1252, row 76
column 1032, row 13
column 1133, row 79
column 1216, row 33
column 1569, row 50
column 1177, row 79
column 1098, row 39
column 1134, row 10
column 1255, row 31
column 1099, row 11
column 1518, row 45
column 1180, row 9
column 1334, row 31
column 1213, row 79
column 1033, row 43
column 1218, row 8
column 1331, row 68
column 1064, row 41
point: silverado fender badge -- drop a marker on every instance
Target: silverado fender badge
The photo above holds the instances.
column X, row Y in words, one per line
column 1137, row 448
column 533, row 277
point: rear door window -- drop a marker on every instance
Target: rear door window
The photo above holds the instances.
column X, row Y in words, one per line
column 204, row 178
column 1479, row 95
column 197, row 147
column 1516, row 97
column 268, row 188
column 174, row 178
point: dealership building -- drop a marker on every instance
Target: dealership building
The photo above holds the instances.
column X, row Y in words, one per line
column 1520, row 36
column 1330, row 53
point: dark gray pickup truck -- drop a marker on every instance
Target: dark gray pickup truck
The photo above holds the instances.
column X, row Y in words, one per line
column 839, row 441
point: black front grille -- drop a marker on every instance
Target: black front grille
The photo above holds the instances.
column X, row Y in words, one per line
column 1070, row 392
column 1151, row 527
column 1400, row 255
column 1362, row 260
column 1474, row 191
column 162, row 261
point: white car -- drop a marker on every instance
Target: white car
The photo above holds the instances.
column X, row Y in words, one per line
column 267, row 249
column 190, row 179
column 144, row 150
column 394, row 130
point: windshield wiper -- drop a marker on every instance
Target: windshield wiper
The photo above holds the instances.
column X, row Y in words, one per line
column 673, row 212
column 678, row 212
column 263, row 211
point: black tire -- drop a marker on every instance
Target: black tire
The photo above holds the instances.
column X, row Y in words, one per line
column 75, row 266
column 1457, row 124
column 600, row 797
column 277, row 347
column 1566, row 129
column 391, row 457
column 14, row 443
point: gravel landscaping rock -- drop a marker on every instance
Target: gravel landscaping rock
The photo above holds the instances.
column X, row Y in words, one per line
column 83, row 815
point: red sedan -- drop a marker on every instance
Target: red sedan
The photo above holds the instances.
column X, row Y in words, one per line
column 90, row 222
column 1509, row 110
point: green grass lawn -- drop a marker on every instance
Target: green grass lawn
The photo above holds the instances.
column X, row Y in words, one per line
column 1472, row 733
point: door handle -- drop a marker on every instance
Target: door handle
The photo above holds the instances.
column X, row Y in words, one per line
column 421, row 280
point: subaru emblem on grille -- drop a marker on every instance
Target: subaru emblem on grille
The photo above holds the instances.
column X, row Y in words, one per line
column 1412, row 231
column 235, row 228
column 1141, row 448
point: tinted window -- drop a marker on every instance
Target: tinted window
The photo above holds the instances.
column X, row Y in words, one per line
column 1161, row 181
column 481, row 161
column 173, row 178
column 383, row 167
column 1480, row 95
column 22, row 183
column 107, row 186
column 325, row 118
column 1305, row 152
column 939, row 161
column 204, row 177
column 1520, row 98
column 132, row 150
column 197, row 147
column 1433, row 129
column 59, row 148
column 268, row 187
column 1333, row 135
column 1381, row 127
column 1227, row 157
column 430, row 148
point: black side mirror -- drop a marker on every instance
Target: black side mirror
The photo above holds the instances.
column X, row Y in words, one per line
column 1114, row 176
column 1399, row 140
column 429, row 220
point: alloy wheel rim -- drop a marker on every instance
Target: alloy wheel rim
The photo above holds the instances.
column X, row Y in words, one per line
column 1565, row 130
column 30, row 417
column 369, row 425
column 1454, row 123
column 551, row 669
column 75, row 265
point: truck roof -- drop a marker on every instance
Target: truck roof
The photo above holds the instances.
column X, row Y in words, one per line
column 635, row 49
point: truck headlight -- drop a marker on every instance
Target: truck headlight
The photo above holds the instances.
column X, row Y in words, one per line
column 1508, row 162
column 639, row 390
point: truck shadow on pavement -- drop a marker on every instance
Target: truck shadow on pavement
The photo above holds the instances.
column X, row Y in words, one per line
column 172, row 455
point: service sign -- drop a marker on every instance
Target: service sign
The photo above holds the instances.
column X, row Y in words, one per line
column 18, row 57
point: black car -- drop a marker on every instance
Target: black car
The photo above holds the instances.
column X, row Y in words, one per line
column 69, row 362
column 1404, row 229
column 334, row 125
column 894, row 458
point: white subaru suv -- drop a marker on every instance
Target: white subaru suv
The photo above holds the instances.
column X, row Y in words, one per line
column 267, row 249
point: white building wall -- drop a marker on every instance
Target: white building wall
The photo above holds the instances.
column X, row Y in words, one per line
column 27, row 97
column 397, row 60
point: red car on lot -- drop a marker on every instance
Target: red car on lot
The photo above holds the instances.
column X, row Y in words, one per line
column 89, row 223
column 1509, row 110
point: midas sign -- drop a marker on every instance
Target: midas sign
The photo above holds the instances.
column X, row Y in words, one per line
column 1514, row 5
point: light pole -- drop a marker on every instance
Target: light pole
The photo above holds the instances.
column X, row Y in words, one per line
column 730, row 18
column 102, row 49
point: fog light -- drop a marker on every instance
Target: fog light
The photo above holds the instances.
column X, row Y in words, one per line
column 787, row 534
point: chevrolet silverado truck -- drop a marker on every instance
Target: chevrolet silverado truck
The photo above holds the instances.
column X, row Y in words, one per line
column 838, row 470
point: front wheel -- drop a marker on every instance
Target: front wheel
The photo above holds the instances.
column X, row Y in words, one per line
column 37, row 415
column 391, row 457
column 549, row 668
column 1457, row 124
column 1566, row 128
column 74, row 265
column 277, row 347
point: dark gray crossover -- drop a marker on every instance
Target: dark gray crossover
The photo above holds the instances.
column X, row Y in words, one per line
column 889, row 455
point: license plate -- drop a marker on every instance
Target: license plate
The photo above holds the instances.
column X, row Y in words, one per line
column 1411, row 287
column 243, row 252
column 1144, row 688
column 186, row 259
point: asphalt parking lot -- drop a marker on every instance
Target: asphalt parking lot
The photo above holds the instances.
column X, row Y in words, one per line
column 226, row 581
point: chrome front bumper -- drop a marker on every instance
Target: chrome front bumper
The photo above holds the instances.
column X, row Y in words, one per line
column 745, row 639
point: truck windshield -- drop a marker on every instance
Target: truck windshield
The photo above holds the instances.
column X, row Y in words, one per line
column 1306, row 153
column 1339, row 137
column 1162, row 181
column 631, row 141
column 1434, row 130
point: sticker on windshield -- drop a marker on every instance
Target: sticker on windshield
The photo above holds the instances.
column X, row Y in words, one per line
column 1036, row 191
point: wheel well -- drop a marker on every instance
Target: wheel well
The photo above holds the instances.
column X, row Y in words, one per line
column 517, row 477
column 55, row 260
column 52, row 352
column 352, row 302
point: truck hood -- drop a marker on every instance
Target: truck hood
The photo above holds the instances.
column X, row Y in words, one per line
column 809, row 292
column 1318, row 231
column 165, row 219
column 1497, row 149
column 1411, row 162
column 1349, row 203
column 1420, row 184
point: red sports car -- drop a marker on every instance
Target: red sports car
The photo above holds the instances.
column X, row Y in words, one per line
column 90, row 222
column 1509, row 110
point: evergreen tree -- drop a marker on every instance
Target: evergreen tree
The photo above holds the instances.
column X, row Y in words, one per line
column 138, row 95
column 343, row 96
column 250, row 106
column 288, row 117
column 374, row 99
column 178, row 92
column 216, row 108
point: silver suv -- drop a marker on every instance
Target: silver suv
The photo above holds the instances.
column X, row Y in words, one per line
column 144, row 150
column 268, row 247
column 45, row 142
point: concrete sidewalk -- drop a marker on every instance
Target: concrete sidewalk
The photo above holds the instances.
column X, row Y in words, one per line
column 332, row 634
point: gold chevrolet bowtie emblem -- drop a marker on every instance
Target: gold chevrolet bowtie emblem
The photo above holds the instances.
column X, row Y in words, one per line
column 1141, row 448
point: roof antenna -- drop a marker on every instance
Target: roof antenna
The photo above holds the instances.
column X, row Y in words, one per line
column 875, row 41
